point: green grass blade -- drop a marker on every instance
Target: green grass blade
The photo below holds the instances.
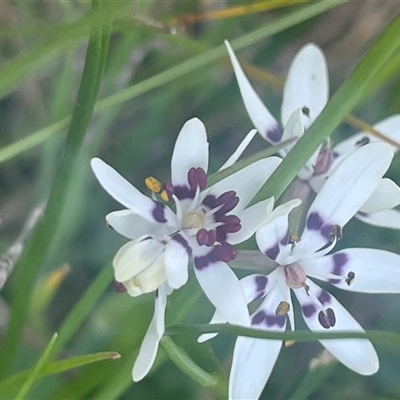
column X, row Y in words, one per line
column 297, row 16
column 35, row 252
column 33, row 375
column 52, row 368
column 345, row 99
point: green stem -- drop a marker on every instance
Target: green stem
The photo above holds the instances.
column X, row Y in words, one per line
column 182, row 360
column 345, row 99
column 390, row 338
column 35, row 252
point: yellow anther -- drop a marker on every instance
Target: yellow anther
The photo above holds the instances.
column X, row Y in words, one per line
column 153, row 184
column 289, row 343
column 282, row 309
column 164, row 195
column 294, row 239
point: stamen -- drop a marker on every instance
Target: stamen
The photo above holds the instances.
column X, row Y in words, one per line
column 169, row 189
column 327, row 319
column 289, row 343
column 282, row 309
column 197, row 178
column 294, row 239
column 225, row 252
column 228, row 201
column 336, row 233
column 350, row 278
column 153, row 184
column 324, row 161
column 205, row 237
column 363, row 141
column 306, row 111
column 119, row 287
column 164, row 195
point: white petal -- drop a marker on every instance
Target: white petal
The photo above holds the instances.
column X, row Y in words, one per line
column 130, row 225
column 376, row 271
column 247, row 182
column 153, row 277
column 239, row 151
column 149, row 347
column 225, row 292
column 191, row 150
column 307, row 84
column 385, row 219
column 255, row 287
column 126, row 194
column 251, row 219
column 345, row 191
column 294, row 128
column 271, row 236
column 135, row 256
column 260, row 116
column 176, row 264
column 253, row 359
column 356, row 354
column 386, row 196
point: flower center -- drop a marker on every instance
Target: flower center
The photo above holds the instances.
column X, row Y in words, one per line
column 194, row 220
column 296, row 276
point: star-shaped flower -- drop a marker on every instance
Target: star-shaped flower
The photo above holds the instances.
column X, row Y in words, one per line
column 297, row 260
column 307, row 88
column 186, row 219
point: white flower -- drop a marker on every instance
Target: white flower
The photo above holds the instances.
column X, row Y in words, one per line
column 355, row 269
column 307, row 88
column 204, row 224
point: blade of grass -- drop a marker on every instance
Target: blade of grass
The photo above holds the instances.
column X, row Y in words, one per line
column 280, row 24
column 345, row 99
column 35, row 252
column 33, row 375
column 55, row 367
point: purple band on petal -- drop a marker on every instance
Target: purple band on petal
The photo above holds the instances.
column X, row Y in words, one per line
column 261, row 282
column 325, row 298
column 272, row 320
column 274, row 134
column 314, row 221
column 201, row 262
column 184, row 192
column 258, row 318
column 181, row 240
column 339, row 261
column 158, row 212
column 309, row 310
column 209, row 201
column 286, row 239
column 326, row 231
column 273, row 252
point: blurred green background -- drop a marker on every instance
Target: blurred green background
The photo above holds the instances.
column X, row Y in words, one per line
column 42, row 52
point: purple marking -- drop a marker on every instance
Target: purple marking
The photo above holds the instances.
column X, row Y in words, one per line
column 119, row 287
column 273, row 252
column 258, row 318
column 339, row 261
column 181, row 240
column 158, row 212
column 221, row 234
column 325, row 298
column 314, row 221
column 285, row 240
column 184, row 192
column 326, row 231
column 261, row 282
column 272, row 320
column 309, row 310
column 201, row 262
column 274, row 134
column 209, row 201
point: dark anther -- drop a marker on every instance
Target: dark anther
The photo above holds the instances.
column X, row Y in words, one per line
column 350, row 278
column 363, row 141
column 306, row 111
column 336, row 233
column 327, row 320
column 119, row 287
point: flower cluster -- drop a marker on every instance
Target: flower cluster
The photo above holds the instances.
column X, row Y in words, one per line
column 187, row 221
